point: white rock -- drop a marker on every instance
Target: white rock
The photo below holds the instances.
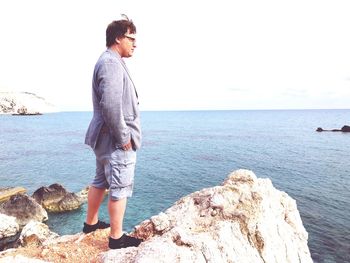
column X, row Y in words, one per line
column 37, row 233
column 160, row 222
column 10, row 102
column 244, row 220
column 8, row 226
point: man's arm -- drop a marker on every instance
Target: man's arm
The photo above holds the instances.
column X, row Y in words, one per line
column 111, row 90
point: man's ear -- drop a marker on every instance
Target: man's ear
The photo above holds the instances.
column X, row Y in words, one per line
column 117, row 41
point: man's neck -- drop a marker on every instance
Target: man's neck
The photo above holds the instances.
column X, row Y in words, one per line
column 116, row 49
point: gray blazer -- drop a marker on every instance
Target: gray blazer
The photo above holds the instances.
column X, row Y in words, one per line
column 115, row 103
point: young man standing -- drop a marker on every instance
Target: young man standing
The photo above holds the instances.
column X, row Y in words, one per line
column 114, row 133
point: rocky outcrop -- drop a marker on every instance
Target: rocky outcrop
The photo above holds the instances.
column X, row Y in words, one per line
column 6, row 193
column 83, row 194
column 8, row 226
column 244, row 220
column 56, row 198
column 24, row 209
column 36, row 233
column 345, row 128
column 23, row 103
column 24, row 111
column 8, row 230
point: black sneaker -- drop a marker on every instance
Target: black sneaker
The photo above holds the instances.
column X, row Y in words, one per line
column 123, row 242
column 99, row 225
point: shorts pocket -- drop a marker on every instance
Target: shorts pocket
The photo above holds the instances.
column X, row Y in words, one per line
column 123, row 168
column 122, row 176
column 121, row 158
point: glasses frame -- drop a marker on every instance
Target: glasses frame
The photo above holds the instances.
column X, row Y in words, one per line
column 132, row 39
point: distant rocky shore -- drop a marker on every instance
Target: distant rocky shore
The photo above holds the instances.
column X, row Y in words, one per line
column 345, row 128
column 245, row 219
column 24, row 103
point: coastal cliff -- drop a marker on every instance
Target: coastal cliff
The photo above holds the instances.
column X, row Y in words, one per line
column 245, row 219
column 15, row 102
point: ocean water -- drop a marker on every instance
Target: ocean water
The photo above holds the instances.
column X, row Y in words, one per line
column 186, row 151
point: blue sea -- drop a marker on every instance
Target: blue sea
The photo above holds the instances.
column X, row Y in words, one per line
column 185, row 151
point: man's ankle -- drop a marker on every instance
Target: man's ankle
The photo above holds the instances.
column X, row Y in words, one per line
column 123, row 242
column 91, row 223
column 116, row 235
column 99, row 225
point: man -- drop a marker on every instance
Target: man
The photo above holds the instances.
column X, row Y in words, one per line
column 114, row 133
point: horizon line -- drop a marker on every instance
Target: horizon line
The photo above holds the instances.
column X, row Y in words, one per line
column 183, row 110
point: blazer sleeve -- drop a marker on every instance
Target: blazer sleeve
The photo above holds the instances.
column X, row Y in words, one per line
column 111, row 91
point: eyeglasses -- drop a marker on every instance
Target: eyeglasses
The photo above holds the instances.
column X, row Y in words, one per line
column 132, row 39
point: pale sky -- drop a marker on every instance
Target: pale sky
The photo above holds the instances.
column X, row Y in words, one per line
column 191, row 55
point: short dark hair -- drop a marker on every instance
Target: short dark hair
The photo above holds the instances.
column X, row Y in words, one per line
column 118, row 29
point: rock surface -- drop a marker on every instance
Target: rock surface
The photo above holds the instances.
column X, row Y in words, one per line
column 345, row 128
column 244, row 220
column 83, row 194
column 36, row 233
column 20, row 259
column 8, row 226
column 56, row 198
column 6, row 193
column 11, row 102
column 24, row 111
column 8, row 230
column 24, row 209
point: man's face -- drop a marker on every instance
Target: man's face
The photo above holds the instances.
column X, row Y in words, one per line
column 127, row 44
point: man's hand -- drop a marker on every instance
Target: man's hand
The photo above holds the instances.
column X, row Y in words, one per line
column 128, row 146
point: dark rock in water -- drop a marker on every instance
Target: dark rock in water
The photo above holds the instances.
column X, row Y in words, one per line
column 56, row 198
column 23, row 208
column 69, row 202
column 345, row 128
column 83, row 194
column 54, row 192
column 24, row 111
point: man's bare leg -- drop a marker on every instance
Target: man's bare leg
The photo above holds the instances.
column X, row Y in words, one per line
column 116, row 209
column 117, row 239
column 95, row 198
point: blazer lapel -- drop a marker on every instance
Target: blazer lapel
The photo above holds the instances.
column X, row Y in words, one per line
column 126, row 69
